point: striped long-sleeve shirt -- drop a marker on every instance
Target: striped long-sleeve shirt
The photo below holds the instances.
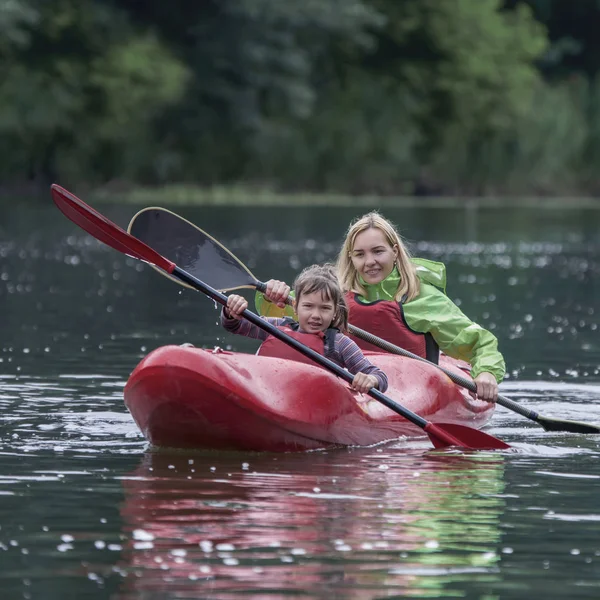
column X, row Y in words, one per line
column 344, row 353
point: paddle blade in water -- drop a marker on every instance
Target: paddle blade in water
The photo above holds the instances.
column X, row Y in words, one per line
column 104, row 230
column 192, row 249
column 443, row 435
column 552, row 424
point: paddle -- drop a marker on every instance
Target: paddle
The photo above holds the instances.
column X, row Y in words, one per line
column 440, row 434
column 206, row 258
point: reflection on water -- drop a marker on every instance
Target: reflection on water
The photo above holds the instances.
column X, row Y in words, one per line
column 354, row 524
column 87, row 511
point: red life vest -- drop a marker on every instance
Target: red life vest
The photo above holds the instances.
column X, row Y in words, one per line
column 315, row 341
column 385, row 319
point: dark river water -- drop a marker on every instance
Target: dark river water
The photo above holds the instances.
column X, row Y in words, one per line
column 88, row 510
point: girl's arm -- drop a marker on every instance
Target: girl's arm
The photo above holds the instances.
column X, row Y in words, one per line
column 352, row 358
column 233, row 322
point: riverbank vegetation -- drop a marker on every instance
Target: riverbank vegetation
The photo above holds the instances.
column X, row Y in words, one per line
column 359, row 97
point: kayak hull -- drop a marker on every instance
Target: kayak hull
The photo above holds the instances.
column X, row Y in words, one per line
column 186, row 397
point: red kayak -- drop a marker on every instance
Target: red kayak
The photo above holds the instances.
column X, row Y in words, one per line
column 185, row 397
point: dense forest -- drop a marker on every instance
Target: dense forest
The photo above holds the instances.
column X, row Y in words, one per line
column 394, row 97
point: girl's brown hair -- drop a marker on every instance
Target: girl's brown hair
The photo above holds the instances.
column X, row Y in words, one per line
column 322, row 278
column 349, row 276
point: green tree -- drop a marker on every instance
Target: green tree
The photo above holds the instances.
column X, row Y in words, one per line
column 469, row 65
column 258, row 67
column 77, row 84
column 389, row 96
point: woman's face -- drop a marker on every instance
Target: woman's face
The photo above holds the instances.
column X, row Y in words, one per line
column 372, row 255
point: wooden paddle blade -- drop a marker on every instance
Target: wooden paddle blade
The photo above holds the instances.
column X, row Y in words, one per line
column 443, row 435
column 551, row 424
column 192, row 249
column 104, row 230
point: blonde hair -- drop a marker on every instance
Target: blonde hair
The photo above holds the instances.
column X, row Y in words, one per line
column 349, row 276
column 322, row 278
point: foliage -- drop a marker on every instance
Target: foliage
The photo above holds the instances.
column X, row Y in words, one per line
column 365, row 96
column 82, row 82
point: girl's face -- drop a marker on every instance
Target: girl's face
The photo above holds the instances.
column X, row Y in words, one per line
column 372, row 255
column 315, row 312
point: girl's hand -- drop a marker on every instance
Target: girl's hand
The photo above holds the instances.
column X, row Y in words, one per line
column 236, row 305
column 487, row 387
column 363, row 383
column 277, row 292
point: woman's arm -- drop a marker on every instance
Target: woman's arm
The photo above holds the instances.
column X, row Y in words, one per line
column 456, row 335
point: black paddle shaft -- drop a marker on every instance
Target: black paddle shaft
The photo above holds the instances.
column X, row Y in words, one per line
column 455, row 377
column 308, row 352
column 389, row 347
column 548, row 423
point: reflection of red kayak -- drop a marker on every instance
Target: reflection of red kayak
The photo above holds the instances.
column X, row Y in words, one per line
column 282, row 526
column 194, row 398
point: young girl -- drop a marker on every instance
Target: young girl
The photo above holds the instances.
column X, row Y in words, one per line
column 403, row 300
column 322, row 312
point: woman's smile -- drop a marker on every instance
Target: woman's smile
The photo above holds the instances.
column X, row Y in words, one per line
column 372, row 255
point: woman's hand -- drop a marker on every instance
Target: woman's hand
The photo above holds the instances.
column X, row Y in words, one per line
column 236, row 305
column 277, row 292
column 363, row 383
column 487, row 387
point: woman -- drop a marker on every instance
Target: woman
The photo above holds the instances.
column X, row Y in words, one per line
column 403, row 301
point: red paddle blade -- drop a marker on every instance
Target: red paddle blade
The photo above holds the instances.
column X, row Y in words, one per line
column 443, row 435
column 104, row 230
